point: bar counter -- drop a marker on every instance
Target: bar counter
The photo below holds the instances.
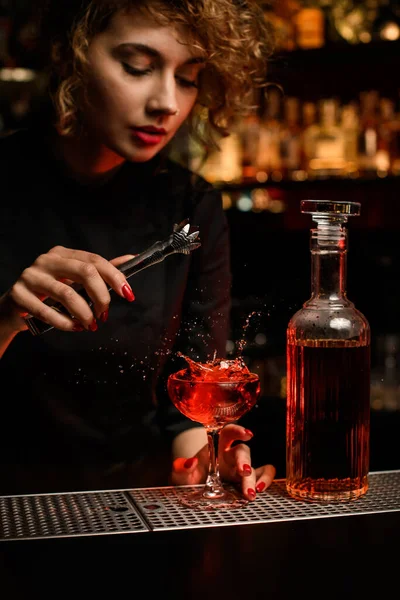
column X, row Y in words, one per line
column 143, row 543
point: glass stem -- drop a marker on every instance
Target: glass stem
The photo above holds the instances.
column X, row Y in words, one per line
column 213, row 487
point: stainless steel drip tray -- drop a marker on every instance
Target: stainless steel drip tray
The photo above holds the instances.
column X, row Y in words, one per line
column 142, row 510
column 161, row 509
column 68, row 515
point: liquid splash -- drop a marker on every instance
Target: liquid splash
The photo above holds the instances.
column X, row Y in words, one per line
column 220, row 369
column 242, row 343
column 217, row 370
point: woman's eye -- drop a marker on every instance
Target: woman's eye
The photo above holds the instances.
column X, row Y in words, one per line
column 187, row 83
column 134, row 71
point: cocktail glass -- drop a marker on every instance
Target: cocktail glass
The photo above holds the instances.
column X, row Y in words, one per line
column 213, row 404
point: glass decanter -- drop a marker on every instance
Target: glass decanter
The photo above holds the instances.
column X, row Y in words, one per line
column 328, row 372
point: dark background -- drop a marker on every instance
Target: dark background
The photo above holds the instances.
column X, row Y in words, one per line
column 270, row 251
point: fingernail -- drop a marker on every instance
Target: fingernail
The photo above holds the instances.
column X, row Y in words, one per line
column 248, row 432
column 78, row 326
column 188, row 463
column 93, row 325
column 247, row 469
column 127, row 292
column 251, row 493
column 260, row 486
column 104, row 316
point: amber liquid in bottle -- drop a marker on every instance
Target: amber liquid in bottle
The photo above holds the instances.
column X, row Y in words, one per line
column 328, row 373
column 328, row 419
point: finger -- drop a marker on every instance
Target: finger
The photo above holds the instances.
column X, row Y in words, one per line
column 28, row 304
column 231, row 433
column 244, row 473
column 185, row 471
column 120, row 260
column 46, row 285
column 239, row 459
column 248, row 486
column 108, row 272
column 264, row 477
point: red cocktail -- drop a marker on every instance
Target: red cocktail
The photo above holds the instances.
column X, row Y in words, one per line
column 214, row 394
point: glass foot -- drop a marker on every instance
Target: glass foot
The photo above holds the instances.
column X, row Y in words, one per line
column 225, row 500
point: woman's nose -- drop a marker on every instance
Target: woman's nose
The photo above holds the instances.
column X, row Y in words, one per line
column 164, row 107
column 163, row 99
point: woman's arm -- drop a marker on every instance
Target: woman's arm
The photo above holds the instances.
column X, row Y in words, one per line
column 10, row 323
column 189, row 442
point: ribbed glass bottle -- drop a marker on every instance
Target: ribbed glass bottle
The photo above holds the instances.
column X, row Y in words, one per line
column 328, row 372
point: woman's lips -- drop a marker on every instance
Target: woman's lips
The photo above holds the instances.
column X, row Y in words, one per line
column 148, row 138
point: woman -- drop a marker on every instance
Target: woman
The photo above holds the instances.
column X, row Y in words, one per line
column 92, row 185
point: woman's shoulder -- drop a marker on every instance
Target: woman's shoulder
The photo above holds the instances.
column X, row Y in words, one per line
column 186, row 177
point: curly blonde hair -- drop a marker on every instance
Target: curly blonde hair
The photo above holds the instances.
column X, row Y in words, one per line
column 234, row 34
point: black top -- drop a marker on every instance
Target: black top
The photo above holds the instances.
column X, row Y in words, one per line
column 77, row 402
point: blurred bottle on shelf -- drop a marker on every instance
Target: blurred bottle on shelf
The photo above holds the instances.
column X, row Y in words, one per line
column 385, row 154
column 350, row 125
column 291, row 138
column 249, row 133
column 224, row 165
column 269, row 159
column 310, row 25
column 296, row 140
column 309, row 133
column 395, row 145
column 329, row 148
column 368, row 135
column 385, row 380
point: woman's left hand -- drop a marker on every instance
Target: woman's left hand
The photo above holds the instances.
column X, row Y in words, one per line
column 234, row 464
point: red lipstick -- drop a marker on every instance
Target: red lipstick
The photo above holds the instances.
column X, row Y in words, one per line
column 149, row 135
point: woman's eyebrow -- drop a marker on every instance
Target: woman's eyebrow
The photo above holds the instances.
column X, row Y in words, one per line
column 142, row 48
column 145, row 49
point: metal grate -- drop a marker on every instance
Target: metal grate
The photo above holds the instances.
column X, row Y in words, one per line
column 154, row 509
column 66, row 515
column 161, row 509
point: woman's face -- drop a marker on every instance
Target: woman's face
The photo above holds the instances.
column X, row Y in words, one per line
column 141, row 85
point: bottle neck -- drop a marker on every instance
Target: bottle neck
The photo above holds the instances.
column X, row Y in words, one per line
column 328, row 246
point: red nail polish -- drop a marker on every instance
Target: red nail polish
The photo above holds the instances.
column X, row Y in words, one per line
column 78, row 326
column 247, row 469
column 188, row 463
column 127, row 292
column 104, row 316
column 251, row 493
column 93, row 325
column 260, row 486
column 248, row 432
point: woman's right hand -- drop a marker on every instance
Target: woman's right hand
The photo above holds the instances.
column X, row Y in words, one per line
column 51, row 276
